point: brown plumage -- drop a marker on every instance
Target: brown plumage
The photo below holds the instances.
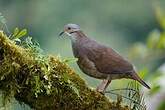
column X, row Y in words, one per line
column 98, row 60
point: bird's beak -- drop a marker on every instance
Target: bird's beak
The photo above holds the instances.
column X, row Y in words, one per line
column 61, row 33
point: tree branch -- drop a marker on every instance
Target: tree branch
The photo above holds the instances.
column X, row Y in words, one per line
column 45, row 83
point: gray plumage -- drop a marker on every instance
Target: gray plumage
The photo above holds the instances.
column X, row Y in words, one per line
column 98, row 60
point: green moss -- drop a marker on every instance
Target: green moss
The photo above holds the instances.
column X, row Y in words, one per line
column 45, row 83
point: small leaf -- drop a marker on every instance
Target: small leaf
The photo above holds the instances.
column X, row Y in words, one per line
column 22, row 33
column 17, row 40
column 16, row 30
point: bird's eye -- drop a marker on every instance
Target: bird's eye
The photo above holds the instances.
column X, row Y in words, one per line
column 69, row 28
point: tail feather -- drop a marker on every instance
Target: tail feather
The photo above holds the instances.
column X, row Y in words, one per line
column 136, row 77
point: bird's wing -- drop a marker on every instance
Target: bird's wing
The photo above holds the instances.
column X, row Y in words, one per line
column 106, row 60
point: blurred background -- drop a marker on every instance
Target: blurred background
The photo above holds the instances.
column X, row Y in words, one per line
column 136, row 29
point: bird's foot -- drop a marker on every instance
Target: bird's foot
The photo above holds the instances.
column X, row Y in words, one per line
column 102, row 87
column 98, row 89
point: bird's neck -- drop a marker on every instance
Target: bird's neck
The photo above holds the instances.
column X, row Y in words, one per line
column 77, row 36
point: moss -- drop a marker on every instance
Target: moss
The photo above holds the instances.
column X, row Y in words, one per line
column 45, row 83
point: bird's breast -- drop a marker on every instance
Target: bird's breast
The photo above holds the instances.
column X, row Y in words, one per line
column 88, row 67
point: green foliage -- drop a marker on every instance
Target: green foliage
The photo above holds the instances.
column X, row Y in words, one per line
column 17, row 34
column 151, row 54
column 2, row 19
column 3, row 22
column 154, row 51
column 42, row 60
column 156, row 40
column 22, row 33
column 131, row 95
column 159, row 14
column 137, row 102
column 39, row 86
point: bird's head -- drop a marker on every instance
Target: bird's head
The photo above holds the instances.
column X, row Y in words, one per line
column 70, row 29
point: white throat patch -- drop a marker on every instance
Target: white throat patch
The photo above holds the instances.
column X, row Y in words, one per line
column 72, row 36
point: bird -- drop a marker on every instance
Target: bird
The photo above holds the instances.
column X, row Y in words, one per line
column 98, row 60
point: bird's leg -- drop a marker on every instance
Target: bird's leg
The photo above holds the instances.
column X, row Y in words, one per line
column 104, row 84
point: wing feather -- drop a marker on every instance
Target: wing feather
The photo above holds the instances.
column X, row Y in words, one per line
column 106, row 60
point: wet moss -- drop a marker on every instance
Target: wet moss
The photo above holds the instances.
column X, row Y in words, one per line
column 47, row 84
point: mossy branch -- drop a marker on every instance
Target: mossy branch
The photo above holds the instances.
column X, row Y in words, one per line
column 45, row 84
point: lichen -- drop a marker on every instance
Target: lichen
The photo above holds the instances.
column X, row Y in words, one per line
column 45, row 83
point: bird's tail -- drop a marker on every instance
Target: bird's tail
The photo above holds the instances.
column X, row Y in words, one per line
column 136, row 77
